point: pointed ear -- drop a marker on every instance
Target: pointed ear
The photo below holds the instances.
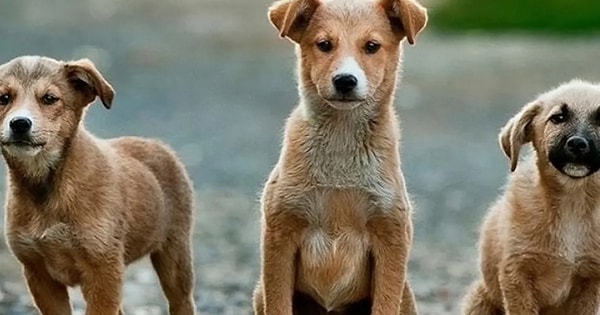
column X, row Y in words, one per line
column 517, row 132
column 291, row 17
column 406, row 16
column 87, row 79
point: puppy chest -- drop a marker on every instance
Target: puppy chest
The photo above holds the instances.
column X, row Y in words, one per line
column 54, row 247
column 578, row 240
column 334, row 266
column 334, row 263
column 343, row 162
column 571, row 234
column 61, row 265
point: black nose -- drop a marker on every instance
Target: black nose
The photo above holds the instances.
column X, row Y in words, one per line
column 344, row 83
column 20, row 125
column 577, row 145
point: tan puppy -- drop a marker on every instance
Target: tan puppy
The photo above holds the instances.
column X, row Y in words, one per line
column 540, row 243
column 336, row 223
column 80, row 208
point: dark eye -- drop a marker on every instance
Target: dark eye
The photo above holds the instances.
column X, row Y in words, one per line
column 558, row 118
column 325, row 46
column 48, row 99
column 372, row 47
column 5, row 99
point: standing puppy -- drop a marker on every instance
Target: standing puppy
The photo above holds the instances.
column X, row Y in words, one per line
column 79, row 208
column 540, row 243
column 336, row 228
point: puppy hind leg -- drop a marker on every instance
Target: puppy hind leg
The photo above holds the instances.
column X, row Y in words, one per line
column 477, row 302
column 258, row 302
column 408, row 306
column 173, row 265
column 584, row 298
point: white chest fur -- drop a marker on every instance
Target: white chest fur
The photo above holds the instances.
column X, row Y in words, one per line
column 578, row 232
column 334, row 265
column 322, row 247
column 333, row 262
column 572, row 233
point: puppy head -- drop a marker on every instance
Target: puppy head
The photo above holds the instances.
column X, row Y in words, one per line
column 564, row 127
column 348, row 49
column 42, row 101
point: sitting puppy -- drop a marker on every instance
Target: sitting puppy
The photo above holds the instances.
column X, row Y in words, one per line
column 337, row 226
column 79, row 208
column 540, row 243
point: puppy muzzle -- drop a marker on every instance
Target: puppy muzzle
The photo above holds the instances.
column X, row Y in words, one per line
column 576, row 156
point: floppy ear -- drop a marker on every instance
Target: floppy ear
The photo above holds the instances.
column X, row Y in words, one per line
column 291, row 17
column 517, row 132
column 406, row 16
column 87, row 79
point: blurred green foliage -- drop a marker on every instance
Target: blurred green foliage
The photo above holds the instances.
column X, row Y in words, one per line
column 563, row 16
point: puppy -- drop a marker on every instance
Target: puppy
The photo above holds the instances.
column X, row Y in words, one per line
column 79, row 208
column 540, row 243
column 336, row 225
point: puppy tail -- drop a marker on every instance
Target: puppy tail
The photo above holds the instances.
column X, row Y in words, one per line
column 477, row 302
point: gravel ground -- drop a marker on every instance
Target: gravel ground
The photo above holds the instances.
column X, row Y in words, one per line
column 212, row 78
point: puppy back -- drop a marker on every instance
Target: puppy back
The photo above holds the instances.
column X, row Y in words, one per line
column 161, row 160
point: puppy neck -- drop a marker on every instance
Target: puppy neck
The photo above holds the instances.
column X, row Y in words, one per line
column 37, row 176
column 582, row 191
column 33, row 169
column 349, row 148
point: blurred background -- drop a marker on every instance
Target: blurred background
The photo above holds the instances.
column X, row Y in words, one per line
column 212, row 78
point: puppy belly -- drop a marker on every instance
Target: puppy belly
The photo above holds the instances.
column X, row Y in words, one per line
column 334, row 270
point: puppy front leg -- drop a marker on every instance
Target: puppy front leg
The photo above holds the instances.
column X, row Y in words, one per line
column 50, row 296
column 102, row 284
column 584, row 299
column 391, row 237
column 280, row 237
column 517, row 291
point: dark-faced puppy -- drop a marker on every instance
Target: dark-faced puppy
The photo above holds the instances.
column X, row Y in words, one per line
column 337, row 227
column 574, row 150
column 540, row 242
column 80, row 208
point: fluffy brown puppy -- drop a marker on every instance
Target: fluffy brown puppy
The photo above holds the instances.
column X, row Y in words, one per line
column 79, row 208
column 540, row 243
column 336, row 227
